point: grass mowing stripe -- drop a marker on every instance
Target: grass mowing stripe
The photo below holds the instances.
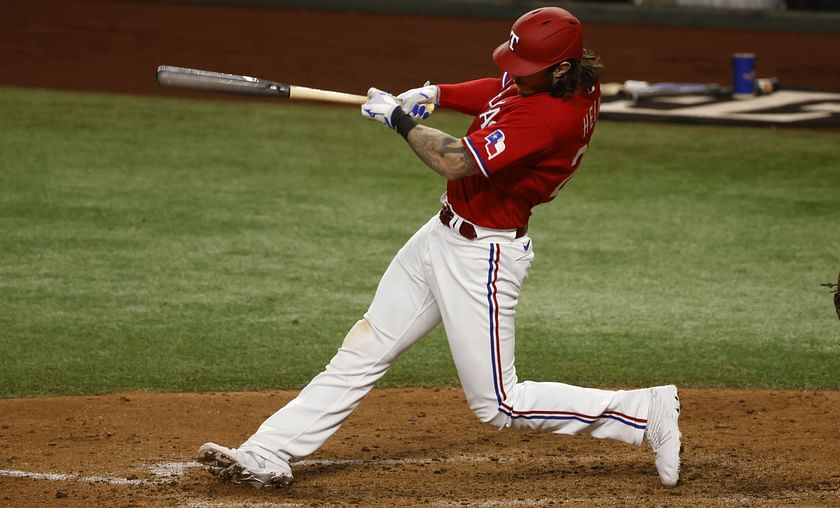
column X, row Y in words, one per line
column 194, row 245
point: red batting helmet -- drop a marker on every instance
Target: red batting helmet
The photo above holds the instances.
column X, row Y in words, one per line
column 540, row 39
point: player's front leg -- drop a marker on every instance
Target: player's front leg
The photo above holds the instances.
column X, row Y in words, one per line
column 403, row 311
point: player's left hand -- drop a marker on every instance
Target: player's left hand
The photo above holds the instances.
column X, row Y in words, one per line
column 380, row 106
column 419, row 103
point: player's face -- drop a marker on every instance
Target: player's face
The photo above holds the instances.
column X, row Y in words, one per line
column 540, row 81
column 535, row 83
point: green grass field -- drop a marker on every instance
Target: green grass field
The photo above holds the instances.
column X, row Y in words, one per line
column 182, row 245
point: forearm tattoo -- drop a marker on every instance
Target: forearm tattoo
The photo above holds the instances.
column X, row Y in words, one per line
column 443, row 153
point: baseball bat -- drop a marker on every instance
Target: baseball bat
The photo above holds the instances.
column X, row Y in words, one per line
column 198, row 79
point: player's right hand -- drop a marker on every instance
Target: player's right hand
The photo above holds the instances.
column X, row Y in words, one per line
column 415, row 101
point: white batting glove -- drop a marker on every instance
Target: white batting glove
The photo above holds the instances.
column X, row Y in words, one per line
column 414, row 101
column 380, row 106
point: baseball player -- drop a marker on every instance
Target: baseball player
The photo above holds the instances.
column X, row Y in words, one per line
column 466, row 266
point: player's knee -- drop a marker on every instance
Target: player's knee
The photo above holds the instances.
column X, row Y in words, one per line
column 359, row 336
column 491, row 414
column 358, row 352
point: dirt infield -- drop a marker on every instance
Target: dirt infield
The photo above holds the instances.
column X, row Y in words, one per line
column 403, row 447
column 414, row 447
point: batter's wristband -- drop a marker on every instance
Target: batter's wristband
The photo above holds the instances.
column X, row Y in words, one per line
column 402, row 122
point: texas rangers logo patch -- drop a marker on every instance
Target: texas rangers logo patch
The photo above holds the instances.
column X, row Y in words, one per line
column 495, row 143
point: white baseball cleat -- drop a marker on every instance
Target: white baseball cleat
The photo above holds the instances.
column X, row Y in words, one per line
column 244, row 467
column 663, row 432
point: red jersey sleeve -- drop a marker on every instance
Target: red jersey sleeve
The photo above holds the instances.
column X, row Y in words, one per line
column 469, row 97
column 511, row 141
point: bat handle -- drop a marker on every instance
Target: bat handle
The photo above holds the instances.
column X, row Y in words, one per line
column 280, row 89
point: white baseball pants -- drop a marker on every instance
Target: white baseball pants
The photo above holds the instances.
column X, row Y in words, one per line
column 473, row 287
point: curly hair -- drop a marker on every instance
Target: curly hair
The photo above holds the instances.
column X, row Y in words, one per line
column 581, row 75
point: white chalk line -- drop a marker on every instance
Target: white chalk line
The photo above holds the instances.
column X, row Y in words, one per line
column 61, row 477
column 165, row 471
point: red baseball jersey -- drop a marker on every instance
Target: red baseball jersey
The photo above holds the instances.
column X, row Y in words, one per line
column 526, row 148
